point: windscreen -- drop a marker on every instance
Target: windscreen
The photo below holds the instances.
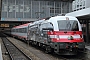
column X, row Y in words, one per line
column 68, row 25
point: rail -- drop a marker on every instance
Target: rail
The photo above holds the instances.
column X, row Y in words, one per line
column 13, row 51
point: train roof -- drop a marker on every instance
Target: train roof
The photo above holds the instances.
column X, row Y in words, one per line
column 55, row 18
column 63, row 18
column 21, row 26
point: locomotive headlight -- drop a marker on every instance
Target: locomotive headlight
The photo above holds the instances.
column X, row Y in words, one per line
column 57, row 37
column 70, row 38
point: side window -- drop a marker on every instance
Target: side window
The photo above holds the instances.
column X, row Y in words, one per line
column 44, row 28
column 49, row 25
column 46, row 25
column 20, row 30
column 75, row 26
column 24, row 30
column 33, row 29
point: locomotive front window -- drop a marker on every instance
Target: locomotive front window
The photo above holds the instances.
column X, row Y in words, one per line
column 68, row 25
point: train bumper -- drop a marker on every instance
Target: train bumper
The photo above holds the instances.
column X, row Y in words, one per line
column 68, row 48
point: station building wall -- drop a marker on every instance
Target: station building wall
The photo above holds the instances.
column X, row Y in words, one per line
column 32, row 9
column 80, row 4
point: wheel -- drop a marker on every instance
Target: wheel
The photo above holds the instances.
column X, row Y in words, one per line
column 47, row 49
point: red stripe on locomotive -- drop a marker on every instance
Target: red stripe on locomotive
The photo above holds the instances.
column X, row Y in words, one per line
column 66, row 33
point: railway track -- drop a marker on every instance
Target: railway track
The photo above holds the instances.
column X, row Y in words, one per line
column 13, row 51
column 58, row 57
column 82, row 55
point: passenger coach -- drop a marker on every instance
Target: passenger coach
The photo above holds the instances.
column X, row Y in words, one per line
column 20, row 31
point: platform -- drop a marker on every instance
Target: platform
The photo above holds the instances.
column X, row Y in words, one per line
column 87, row 46
column 0, row 51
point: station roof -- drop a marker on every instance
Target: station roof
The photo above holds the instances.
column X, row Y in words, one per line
column 81, row 14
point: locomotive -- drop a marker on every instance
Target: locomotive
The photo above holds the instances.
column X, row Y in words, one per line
column 59, row 34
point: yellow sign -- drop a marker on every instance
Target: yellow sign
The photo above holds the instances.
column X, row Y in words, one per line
column 4, row 25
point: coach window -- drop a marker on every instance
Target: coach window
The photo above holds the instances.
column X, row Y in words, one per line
column 16, row 30
column 22, row 30
column 19, row 30
column 25, row 30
